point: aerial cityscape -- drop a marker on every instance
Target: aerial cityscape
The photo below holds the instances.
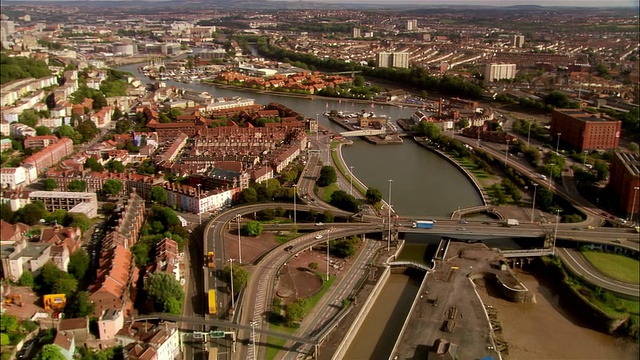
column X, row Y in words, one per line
column 330, row 179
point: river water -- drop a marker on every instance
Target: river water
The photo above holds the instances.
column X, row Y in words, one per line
column 424, row 184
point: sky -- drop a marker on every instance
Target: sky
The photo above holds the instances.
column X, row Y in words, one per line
column 586, row 3
column 602, row 3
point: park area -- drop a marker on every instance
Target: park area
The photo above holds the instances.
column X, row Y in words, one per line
column 615, row 266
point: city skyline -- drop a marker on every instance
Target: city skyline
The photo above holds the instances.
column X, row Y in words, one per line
column 497, row 3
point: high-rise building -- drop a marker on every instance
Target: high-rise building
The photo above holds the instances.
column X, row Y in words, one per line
column 355, row 33
column 393, row 59
column 494, row 72
column 517, row 41
column 412, row 25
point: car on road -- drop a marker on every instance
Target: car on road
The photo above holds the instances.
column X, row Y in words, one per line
column 319, row 236
column 590, row 227
column 463, row 221
column 288, row 248
column 576, row 228
column 543, row 177
column 319, row 224
column 462, row 229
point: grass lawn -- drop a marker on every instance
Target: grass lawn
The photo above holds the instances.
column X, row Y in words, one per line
column 284, row 237
column 616, row 266
column 328, row 190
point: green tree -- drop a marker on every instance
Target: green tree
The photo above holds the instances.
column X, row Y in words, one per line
column 344, row 201
column 373, row 195
column 78, row 264
column 343, row 248
column 93, row 165
column 78, row 220
column 5, row 212
column 57, row 216
column 9, row 323
column 87, row 129
column 50, row 352
column 249, row 195
column 602, row 169
column 296, row 311
column 79, row 305
column 29, row 117
column 428, row 129
column 42, row 130
column 163, row 289
column 26, row 279
column 112, row 187
column 30, row 214
column 252, row 228
column 327, row 176
column 158, row 194
column 115, row 166
column 65, row 285
column 50, row 184
column 77, row 185
column 240, row 277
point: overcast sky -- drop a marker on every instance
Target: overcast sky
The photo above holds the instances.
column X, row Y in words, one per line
column 632, row 3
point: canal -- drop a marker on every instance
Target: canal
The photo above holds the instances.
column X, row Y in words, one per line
column 380, row 329
column 424, row 184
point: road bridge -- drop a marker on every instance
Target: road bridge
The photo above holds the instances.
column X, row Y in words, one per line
column 363, row 132
column 199, row 320
column 407, row 263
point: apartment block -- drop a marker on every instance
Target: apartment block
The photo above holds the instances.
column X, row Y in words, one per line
column 494, row 72
column 393, row 59
column 83, row 202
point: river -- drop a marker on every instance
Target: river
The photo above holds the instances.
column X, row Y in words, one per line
column 424, row 184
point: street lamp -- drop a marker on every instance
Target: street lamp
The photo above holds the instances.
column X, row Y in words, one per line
column 317, row 127
column 506, row 153
column 529, row 133
column 199, row 205
column 533, row 206
column 295, row 195
column 327, row 258
column 584, row 159
column 389, row 218
column 633, row 204
column 551, row 165
column 233, row 306
column 239, row 217
column 558, row 144
column 351, row 177
column 555, row 234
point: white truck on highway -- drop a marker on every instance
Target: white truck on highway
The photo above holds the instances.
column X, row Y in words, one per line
column 511, row 222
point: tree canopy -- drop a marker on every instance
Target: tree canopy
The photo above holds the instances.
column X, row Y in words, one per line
column 77, row 185
column 112, row 187
column 20, row 67
column 252, row 228
column 165, row 291
column 327, row 176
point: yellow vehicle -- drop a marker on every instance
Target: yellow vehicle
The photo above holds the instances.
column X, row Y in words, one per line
column 212, row 302
column 590, row 227
column 211, row 259
column 55, row 302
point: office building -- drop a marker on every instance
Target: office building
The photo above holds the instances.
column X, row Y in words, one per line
column 583, row 130
column 411, row 25
column 393, row 59
column 355, row 33
column 495, row 72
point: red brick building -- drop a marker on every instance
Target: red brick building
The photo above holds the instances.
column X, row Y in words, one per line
column 585, row 131
column 624, row 179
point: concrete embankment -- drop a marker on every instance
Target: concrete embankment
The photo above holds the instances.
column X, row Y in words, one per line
column 366, row 307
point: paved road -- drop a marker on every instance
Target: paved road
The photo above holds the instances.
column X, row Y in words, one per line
column 579, row 265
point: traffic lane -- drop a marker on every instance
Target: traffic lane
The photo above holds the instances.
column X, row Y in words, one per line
column 580, row 265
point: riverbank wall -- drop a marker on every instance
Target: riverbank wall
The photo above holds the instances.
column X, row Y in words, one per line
column 571, row 298
column 362, row 315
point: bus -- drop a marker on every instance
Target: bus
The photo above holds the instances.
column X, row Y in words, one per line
column 212, row 302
